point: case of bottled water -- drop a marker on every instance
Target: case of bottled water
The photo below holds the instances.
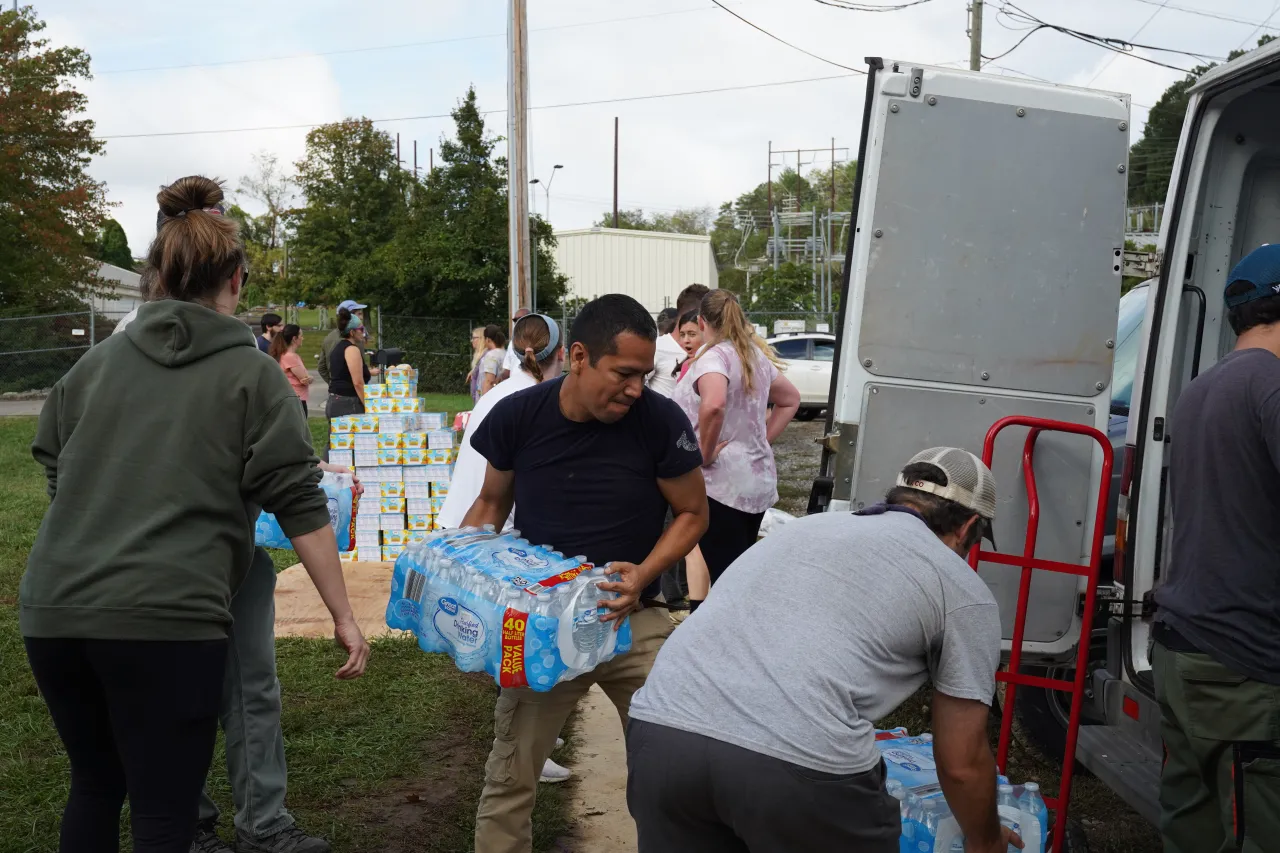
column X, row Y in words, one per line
column 525, row 614
column 337, row 490
column 928, row 825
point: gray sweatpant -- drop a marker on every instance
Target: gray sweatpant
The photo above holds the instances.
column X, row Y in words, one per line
column 694, row 794
column 251, row 709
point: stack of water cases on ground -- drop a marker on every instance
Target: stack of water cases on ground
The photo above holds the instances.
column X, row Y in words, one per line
column 526, row 614
column 338, row 495
column 928, row 825
column 404, row 458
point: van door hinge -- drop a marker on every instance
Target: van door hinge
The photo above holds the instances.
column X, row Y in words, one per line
column 829, row 442
column 1141, row 264
column 1111, row 601
column 1157, row 430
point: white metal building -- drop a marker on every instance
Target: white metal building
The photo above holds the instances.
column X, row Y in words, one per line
column 121, row 294
column 651, row 266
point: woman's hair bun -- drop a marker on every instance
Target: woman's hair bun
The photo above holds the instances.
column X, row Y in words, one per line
column 194, row 192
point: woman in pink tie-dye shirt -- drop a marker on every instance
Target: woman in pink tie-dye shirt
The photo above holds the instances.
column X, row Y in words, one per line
column 726, row 396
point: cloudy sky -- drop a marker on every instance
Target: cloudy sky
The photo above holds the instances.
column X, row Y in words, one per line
column 165, row 69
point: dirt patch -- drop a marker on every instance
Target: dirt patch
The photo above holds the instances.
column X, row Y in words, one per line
column 598, row 796
column 301, row 613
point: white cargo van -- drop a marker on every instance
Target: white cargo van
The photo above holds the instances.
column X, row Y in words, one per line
column 983, row 280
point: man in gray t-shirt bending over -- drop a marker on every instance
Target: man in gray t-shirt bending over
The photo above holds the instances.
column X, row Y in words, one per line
column 755, row 729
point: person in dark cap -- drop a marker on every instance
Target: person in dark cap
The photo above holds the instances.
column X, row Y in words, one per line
column 1215, row 661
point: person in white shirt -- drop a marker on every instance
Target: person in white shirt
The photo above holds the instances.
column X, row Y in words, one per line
column 667, row 355
column 537, row 338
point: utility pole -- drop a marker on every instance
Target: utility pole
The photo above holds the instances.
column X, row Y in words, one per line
column 518, row 155
column 415, row 159
column 399, row 162
column 832, row 208
column 431, row 160
column 615, row 171
column 975, row 35
column 769, row 180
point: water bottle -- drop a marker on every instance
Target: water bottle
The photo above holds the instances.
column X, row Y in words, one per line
column 1010, row 811
column 1032, row 805
column 927, row 831
column 910, row 807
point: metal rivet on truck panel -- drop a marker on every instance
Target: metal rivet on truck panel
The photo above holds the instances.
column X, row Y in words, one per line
column 985, row 376
column 1021, row 112
column 1120, row 168
column 1110, row 344
column 933, row 102
column 867, row 362
column 1099, row 385
column 1124, row 125
column 879, row 232
column 893, row 108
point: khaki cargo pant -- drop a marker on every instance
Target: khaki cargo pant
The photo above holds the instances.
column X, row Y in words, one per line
column 1220, row 788
column 527, row 723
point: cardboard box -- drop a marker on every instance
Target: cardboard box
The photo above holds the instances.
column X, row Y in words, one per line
column 391, row 490
column 437, row 504
column 369, row 538
column 402, row 373
column 390, row 440
column 342, row 441
column 364, row 423
column 345, row 458
column 406, row 405
column 434, row 420
column 416, row 536
column 375, row 391
column 394, row 423
column 415, row 440
column 385, row 406
column 418, row 506
column 390, row 474
column 435, row 523
column 366, row 521
column 395, row 537
column 369, row 476
column 442, row 456
column 419, row 521
column 391, row 505
column 369, row 555
column 417, row 490
column 347, row 556
column 437, row 473
column 441, row 439
column 364, row 441
column 365, row 458
column 415, row 456
column 402, row 390
column 390, row 456
column 341, row 424
column 439, row 489
column 391, row 521
column 391, row 552
column 415, row 474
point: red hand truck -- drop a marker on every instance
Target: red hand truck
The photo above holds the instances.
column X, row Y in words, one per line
column 1012, row 678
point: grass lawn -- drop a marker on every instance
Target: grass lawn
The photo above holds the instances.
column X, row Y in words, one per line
column 392, row 762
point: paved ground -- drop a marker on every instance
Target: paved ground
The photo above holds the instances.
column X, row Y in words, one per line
column 20, row 408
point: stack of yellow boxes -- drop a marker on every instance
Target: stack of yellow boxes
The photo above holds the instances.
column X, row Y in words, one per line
column 405, row 463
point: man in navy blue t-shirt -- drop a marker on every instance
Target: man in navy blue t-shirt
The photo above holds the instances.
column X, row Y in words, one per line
column 591, row 461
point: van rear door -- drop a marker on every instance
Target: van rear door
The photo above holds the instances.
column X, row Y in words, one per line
column 982, row 280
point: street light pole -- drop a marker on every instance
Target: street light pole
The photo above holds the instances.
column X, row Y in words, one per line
column 547, row 188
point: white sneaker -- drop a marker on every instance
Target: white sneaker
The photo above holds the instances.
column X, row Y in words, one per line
column 559, row 742
column 553, row 773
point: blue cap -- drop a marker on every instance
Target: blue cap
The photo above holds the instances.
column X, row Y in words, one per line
column 351, row 305
column 1260, row 268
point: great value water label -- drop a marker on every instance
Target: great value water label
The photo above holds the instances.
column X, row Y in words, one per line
column 460, row 626
column 913, row 761
column 521, row 559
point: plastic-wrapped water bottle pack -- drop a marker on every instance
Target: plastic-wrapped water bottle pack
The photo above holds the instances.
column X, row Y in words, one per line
column 338, row 493
column 928, row 825
column 525, row 614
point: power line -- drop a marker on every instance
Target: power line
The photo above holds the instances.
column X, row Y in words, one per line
column 1204, row 13
column 784, row 41
column 385, row 47
column 852, row 6
column 620, row 100
column 1258, row 29
column 1136, row 33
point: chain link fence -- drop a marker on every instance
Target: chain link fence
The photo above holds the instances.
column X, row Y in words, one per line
column 36, row 351
column 438, row 347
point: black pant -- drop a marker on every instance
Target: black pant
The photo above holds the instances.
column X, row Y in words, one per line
column 730, row 532
column 693, row 794
column 136, row 718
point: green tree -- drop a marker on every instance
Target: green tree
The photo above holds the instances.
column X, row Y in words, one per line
column 690, row 220
column 450, row 258
column 265, row 235
column 50, row 209
column 788, row 288
column 1151, row 157
column 356, row 199
column 113, row 246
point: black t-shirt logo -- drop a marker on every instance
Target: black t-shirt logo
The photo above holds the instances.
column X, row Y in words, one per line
column 684, row 443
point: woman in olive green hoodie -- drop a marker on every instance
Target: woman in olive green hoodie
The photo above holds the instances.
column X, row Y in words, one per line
column 161, row 446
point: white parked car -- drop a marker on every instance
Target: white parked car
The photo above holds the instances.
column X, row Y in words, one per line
column 808, row 357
